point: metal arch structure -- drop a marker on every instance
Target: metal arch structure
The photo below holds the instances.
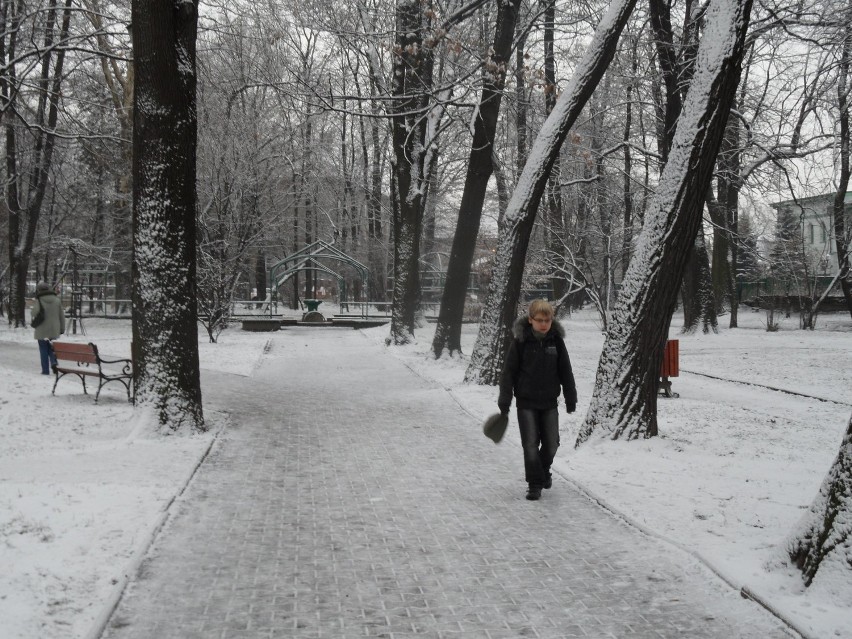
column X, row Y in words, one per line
column 306, row 260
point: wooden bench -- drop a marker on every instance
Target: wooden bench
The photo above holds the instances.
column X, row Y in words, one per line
column 670, row 367
column 89, row 363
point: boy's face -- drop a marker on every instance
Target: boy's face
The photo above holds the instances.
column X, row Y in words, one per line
column 541, row 322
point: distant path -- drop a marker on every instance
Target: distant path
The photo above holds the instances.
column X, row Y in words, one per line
column 352, row 498
column 772, row 388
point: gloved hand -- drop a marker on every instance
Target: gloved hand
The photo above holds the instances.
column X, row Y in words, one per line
column 571, row 407
column 503, row 410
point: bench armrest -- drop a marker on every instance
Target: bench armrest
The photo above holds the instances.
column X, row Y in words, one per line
column 127, row 363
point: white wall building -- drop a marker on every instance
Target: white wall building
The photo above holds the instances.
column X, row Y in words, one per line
column 816, row 223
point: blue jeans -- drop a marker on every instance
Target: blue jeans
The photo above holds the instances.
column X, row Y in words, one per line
column 540, row 439
column 48, row 357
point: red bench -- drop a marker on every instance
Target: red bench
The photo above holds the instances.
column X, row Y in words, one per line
column 88, row 363
column 670, row 367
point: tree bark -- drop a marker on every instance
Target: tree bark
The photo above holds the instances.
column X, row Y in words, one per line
column 413, row 63
column 486, row 361
column 479, row 169
column 822, row 543
column 624, row 403
column 165, row 329
column 412, row 79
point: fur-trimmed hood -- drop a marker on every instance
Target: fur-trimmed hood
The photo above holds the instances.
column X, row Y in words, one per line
column 522, row 329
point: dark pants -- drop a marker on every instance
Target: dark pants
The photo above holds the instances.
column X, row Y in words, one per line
column 48, row 358
column 540, row 439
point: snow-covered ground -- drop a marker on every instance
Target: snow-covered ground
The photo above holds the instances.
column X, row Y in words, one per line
column 84, row 487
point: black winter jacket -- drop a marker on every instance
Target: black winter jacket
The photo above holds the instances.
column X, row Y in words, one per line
column 536, row 369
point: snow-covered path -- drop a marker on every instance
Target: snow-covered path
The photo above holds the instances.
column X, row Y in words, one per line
column 351, row 497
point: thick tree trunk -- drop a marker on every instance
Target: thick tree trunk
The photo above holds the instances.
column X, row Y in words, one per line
column 821, row 547
column 486, row 361
column 165, row 329
column 479, row 170
column 624, row 403
column 408, row 217
column 412, row 80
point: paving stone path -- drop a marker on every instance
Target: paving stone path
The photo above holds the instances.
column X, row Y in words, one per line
column 352, row 498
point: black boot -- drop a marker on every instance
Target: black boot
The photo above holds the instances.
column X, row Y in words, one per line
column 548, row 480
column 534, row 492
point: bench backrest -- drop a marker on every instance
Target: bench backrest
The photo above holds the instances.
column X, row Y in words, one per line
column 82, row 353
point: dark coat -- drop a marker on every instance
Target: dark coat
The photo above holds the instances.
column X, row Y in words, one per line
column 54, row 316
column 536, row 370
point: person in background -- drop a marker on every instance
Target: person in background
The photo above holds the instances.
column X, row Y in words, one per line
column 537, row 368
column 51, row 327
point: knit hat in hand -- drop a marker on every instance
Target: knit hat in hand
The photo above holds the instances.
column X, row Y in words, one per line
column 495, row 426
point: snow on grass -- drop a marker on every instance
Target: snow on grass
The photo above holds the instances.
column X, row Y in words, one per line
column 82, row 485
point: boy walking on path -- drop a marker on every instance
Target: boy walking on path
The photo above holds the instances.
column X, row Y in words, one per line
column 537, row 368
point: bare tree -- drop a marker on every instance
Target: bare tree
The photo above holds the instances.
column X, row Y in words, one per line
column 29, row 150
column 412, row 84
column 479, row 170
column 486, row 362
column 624, row 403
column 416, row 111
column 117, row 74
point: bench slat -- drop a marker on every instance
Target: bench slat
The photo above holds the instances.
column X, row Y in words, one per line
column 75, row 352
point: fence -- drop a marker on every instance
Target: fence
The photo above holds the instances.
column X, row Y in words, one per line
column 120, row 309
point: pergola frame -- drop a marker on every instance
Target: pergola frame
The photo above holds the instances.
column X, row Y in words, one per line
column 306, row 260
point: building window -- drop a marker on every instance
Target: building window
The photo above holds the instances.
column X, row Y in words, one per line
column 810, row 233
